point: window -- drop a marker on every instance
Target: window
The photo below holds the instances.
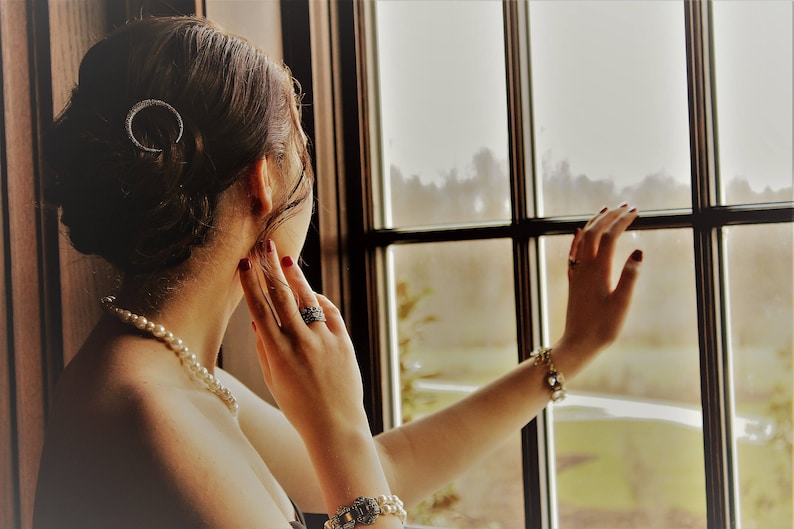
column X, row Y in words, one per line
column 485, row 133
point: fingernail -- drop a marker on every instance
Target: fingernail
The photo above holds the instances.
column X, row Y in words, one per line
column 244, row 264
column 287, row 261
column 253, row 325
column 623, row 204
column 269, row 245
column 604, row 210
column 637, row 256
column 632, row 210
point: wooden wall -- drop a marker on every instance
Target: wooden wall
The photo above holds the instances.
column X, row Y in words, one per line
column 49, row 293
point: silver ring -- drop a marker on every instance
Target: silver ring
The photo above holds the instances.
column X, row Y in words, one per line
column 312, row 314
column 146, row 103
column 572, row 262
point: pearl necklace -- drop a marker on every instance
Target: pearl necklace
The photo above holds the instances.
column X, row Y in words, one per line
column 188, row 359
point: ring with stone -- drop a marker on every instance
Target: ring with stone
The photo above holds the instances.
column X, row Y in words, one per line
column 312, row 314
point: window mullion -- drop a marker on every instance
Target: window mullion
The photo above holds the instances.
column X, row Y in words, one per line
column 525, row 276
column 360, row 281
column 715, row 418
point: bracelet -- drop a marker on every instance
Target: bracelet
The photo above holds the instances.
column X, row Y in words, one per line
column 554, row 379
column 365, row 511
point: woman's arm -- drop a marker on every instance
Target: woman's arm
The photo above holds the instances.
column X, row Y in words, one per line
column 419, row 457
column 422, row 456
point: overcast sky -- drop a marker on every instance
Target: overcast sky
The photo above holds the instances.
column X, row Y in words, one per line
column 609, row 86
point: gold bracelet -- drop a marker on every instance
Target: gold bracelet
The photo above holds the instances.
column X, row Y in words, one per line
column 553, row 379
column 365, row 511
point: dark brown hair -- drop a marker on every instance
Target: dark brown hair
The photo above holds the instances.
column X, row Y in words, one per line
column 145, row 212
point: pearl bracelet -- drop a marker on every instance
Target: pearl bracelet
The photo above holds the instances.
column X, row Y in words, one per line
column 554, row 379
column 365, row 511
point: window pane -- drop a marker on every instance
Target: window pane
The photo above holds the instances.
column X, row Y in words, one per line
column 609, row 105
column 443, row 112
column 456, row 330
column 628, row 439
column 753, row 86
column 760, row 288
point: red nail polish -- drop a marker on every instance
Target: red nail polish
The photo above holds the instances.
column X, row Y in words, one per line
column 604, row 210
column 637, row 256
column 623, row 204
column 287, row 261
column 269, row 245
column 632, row 210
column 253, row 325
column 244, row 265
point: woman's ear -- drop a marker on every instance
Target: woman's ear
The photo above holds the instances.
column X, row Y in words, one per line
column 259, row 189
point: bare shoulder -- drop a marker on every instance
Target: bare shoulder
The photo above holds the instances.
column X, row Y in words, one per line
column 137, row 451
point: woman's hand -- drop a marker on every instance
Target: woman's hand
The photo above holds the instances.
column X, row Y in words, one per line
column 310, row 369
column 596, row 311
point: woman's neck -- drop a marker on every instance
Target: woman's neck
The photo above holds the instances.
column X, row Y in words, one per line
column 194, row 305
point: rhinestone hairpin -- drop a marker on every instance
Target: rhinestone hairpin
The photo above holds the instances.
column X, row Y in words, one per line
column 146, row 103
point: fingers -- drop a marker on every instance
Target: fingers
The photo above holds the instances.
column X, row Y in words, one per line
column 253, row 283
column 262, row 354
column 572, row 254
column 601, row 232
column 288, row 292
column 281, row 290
column 302, row 291
column 591, row 236
column 612, row 232
column 333, row 317
column 628, row 278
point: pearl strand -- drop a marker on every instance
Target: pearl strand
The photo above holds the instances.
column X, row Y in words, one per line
column 392, row 504
column 188, row 359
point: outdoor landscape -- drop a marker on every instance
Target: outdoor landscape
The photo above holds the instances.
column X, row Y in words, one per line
column 612, row 471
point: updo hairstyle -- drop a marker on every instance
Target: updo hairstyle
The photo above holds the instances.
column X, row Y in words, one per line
column 146, row 211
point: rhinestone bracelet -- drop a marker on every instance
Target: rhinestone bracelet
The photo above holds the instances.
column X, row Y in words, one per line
column 553, row 379
column 365, row 511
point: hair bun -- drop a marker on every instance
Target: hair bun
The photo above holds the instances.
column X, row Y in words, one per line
column 166, row 115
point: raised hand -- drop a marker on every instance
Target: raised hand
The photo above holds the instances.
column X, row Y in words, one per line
column 310, row 368
column 596, row 311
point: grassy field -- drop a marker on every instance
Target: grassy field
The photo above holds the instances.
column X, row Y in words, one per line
column 630, row 467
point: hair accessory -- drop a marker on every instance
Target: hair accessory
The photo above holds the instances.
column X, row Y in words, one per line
column 146, row 103
column 189, row 361
column 312, row 314
column 365, row 511
column 554, row 379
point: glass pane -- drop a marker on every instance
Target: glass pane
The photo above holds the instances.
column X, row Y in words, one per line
column 609, row 105
column 753, row 86
column 443, row 112
column 628, row 440
column 760, row 288
column 456, row 330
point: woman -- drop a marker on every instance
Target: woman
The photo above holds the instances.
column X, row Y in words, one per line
column 181, row 160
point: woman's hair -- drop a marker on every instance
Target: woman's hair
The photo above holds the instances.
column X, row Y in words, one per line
column 146, row 211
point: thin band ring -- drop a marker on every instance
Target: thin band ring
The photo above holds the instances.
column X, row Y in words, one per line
column 146, row 103
column 312, row 314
